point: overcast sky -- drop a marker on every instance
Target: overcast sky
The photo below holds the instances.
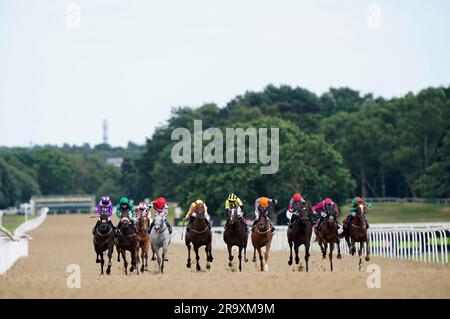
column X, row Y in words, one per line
column 130, row 62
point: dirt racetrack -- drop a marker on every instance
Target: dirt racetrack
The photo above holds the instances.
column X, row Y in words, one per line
column 64, row 240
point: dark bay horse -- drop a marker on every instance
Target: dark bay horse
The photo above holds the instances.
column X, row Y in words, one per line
column 126, row 241
column 300, row 233
column 235, row 235
column 262, row 237
column 199, row 235
column 104, row 241
column 143, row 243
column 328, row 235
column 356, row 232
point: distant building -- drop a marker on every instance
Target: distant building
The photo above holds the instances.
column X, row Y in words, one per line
column 63, row 204
column 114, row 161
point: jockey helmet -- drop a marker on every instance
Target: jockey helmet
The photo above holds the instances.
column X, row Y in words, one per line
column 232, row 197
column 159, row 203
column 264, row 202
column 297, row 197
column 106, row 200
column 142, row 206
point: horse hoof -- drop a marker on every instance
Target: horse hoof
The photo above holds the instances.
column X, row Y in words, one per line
column 254, row 260
column 97, row 261
column 146, row 268
column 290, row 262
column 230, row 264
column 246, row 260
column 208, row 266
column 108, row 271
column 367, row 258
column 339, row 256
column 153, row 258
column 266, row 268
column 188, row 265
column 142, row 269
column 198, row 268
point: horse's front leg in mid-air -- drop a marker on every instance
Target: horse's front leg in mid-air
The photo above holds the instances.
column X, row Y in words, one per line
column 260, row 258
column 297, row 258
column 125, row 263
column 361, row 245
column 102, row 262
column 306, row 255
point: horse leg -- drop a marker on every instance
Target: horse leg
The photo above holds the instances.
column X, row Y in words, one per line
column 352, row 246
column 230, row 256
column 197, row 258
column 290, row 255
column 324, row 250
column 153, row 256
column 146, row 257
column 188, row 265
column 125, row 264
column 210, row 253
column 331, row 255
column 159, row 259
column 254, row 254
column 208, row 257
column 339, row 256
column 97, row 259
column 245, row 252
column 297, row 259
column 142, row 258
column 367, row 248
column 260, row 258
column 102, row 263
column 306, row 255
column 361, row 245
column 266, row 257
column 240, row 258
column 165, row 253
column 110, row 252
column 133, row 259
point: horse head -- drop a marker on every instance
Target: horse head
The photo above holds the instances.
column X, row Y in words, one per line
column 200, row 212
column 158, row 223
column 143, row 222
column 361, row 211
column 263, row 222
column 305, row 209
column 331, row 214
column 232, row 214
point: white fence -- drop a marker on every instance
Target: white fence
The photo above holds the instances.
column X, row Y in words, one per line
column 444, row 201
column 422, row 242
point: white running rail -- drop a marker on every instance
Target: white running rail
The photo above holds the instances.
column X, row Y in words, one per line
column 426, row 242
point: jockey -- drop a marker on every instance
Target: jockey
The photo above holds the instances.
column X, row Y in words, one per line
column 161, row 208
column 105, row 203
column 126, row 207
column 235, row 201
column 354, row 208
column 262, row 207
column 141, row 210
column 323, row 207
column 193, row 212
column 294, row 204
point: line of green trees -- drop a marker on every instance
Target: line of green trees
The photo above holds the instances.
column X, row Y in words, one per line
column 339, row 144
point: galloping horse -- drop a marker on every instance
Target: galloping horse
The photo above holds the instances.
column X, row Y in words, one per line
column 104, row 240
column 126, row 240
column 142, row 238
column 328, row 234
column 300, row 233
column 235, row 235
column 356, row 232
column 199, row 235
column 262, row 236
column 160, row 237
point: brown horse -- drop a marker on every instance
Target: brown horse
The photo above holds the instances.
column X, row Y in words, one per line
column 262, row 236
column 199, row 235
column 143, row 243
column 126, row 241
column 104, row 240
column 235, row 235
column 300, row 234
column 356, row 232
column 328, row 234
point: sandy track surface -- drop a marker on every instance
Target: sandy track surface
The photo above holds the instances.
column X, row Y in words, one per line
column 64, row 240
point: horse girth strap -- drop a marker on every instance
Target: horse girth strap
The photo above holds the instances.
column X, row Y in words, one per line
column 200, row 232
column 361, row 227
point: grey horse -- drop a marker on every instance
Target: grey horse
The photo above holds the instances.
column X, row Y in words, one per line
column 160, row 238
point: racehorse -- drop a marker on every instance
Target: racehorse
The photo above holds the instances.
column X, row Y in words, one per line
column 300, row 233
column 160, row 238
column 262, row 236
column 328, row 234
column 126, row 241
column 142, row 238
column 199, row 235
column 356, row 232
column 235, row 235
column 104, row 240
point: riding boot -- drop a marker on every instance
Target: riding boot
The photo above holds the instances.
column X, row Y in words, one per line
column 272, row 228
column 188, row 227
column 319, row 224
column 291, row 222
column 151, row 226
column 241, row 219
column 95, row 227
column 133, row 226
column 254, row 224
column 168, row 226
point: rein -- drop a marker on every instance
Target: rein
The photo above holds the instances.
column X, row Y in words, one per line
column 110, row 230
column 200, row 232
